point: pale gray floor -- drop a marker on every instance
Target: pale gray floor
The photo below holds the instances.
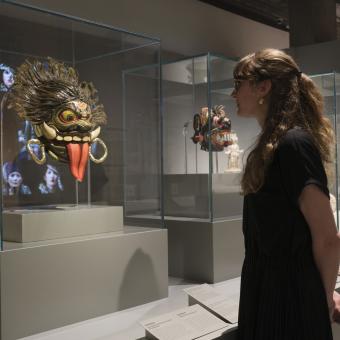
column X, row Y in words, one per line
column 124, row 325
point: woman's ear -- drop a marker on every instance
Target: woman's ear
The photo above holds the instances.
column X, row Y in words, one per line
column 264, row 87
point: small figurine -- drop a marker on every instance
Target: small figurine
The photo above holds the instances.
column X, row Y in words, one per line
column 64, row 113
column 233, row 153
column 220, row 129
column 13, row 181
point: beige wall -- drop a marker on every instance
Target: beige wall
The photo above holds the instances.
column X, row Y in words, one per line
column 186, row 27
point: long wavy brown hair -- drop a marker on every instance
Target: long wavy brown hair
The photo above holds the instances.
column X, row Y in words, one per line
column 294, row 100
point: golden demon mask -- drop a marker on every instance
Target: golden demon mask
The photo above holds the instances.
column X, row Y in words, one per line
column 63, row 111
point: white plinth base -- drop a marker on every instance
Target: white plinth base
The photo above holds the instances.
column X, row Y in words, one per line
column 205, row 251
column 57, row 283
column 60, row 222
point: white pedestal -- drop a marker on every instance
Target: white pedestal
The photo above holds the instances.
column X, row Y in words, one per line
column 50, row 284
column 205, row 251
column 60, row 222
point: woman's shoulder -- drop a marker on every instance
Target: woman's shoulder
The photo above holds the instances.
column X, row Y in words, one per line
column 298, row 144
column 295, row 138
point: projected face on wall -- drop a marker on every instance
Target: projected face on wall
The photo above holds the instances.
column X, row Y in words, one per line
column 18, row 169
column 7, row 79
column 13, row 180
column 51, row 181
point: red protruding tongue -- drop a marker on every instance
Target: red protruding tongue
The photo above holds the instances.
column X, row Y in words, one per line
column 78, row 155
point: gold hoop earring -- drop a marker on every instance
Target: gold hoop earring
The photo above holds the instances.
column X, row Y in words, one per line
column 261, row 101
column 102, row 158
column 42, row 160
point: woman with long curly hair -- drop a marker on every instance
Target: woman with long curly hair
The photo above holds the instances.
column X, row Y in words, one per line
column 291, row 241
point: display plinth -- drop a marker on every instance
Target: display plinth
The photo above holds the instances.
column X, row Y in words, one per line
column 50, row 284
column 187, row 195
column 60, row 222
column 205, row 251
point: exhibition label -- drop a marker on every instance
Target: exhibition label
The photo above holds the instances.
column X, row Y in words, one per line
column 187, row 323
column 214, row 301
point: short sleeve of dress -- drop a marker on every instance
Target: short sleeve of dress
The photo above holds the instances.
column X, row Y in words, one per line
column 300, row 164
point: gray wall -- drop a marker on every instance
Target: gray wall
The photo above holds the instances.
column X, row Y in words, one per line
column 185, row 27
column 317, row 58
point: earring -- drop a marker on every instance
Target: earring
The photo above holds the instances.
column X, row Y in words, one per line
column 102, row 158
column 261, row 101
column 41, row 146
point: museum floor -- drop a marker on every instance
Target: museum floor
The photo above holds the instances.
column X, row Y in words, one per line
column 124, row 325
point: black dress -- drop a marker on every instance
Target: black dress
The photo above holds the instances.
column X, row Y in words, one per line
column 282, row 294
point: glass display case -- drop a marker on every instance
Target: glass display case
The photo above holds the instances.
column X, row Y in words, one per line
column 142, row 147
column 329, row 85
column 49, row 111
column 202, row 176
column 201, row 167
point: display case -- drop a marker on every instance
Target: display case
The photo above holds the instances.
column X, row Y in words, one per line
column 201, row 179
column 143, row 196
column 202, row 171
column 202, row 201
column 329, row 85
column 70, row 145
column 99, row 54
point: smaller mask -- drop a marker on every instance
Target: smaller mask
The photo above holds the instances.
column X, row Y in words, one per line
column 220, row 129
column 64, row 112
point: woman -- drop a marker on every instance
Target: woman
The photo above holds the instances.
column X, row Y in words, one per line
column 51, row 181
column 7, row 78
column 292, row 247
column 13, row 181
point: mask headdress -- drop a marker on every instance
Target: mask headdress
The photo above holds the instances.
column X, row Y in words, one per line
column 218, row 132
column 65, row 113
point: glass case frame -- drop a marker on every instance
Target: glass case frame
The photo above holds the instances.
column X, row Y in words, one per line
column 204, row 186
column 329, row 85
column 205, row 81
column 100, row 53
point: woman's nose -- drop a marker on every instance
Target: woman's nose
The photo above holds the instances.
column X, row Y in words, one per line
column 233, row 94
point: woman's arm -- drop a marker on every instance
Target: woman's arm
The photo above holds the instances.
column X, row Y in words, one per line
column 316, row 208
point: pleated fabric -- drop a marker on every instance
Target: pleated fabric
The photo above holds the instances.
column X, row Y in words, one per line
column 282, row 295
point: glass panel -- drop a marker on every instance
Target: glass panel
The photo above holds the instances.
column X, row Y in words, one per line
column 99, row 54
column 24, row 182
column 228, row 160
column 329, row 84
column 186, row 155
column 336, row 121
column 142, row 145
